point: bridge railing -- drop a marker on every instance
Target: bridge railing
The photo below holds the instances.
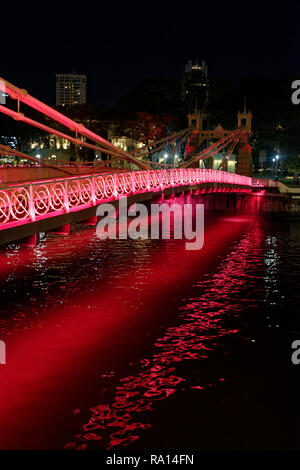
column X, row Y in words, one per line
column 264, row 182
column 259, row 182
column 33, row 201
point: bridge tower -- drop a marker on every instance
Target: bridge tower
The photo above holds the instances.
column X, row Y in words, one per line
column 198, row 120
column 244, row 165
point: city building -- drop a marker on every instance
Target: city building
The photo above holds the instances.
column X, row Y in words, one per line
column 194, row 86
column 48, row 147
column 125, row 143
column 70, row 89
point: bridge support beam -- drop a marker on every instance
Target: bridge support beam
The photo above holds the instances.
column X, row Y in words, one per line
column 93, row 220
column 63, row 230
column 158, row 198
column 231, row 202
column 31, row 241
column 170, row 196
column 238, row 203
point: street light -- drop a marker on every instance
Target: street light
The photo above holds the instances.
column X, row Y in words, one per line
column 275, row 164
column 165, row 158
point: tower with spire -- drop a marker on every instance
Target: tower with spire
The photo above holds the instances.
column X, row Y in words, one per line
column 245, row 118
column 244, row 160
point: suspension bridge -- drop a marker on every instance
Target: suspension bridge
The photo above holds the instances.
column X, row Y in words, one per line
column 58, row 195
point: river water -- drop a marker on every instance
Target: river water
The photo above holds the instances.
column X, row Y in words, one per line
column 144, row 345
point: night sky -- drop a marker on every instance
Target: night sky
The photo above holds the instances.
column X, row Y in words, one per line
column 119, row 46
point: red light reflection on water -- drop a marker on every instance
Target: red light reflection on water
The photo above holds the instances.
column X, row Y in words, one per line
column 120, row 422
column 51, row 353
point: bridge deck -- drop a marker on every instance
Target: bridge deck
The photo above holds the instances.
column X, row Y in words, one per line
column 55, row 200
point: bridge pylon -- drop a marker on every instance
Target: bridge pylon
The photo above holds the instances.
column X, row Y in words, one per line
column 219, row 138
column 244, row 161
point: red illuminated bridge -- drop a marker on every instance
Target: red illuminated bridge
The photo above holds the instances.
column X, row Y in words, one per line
column 54, row 203
column 33, row 207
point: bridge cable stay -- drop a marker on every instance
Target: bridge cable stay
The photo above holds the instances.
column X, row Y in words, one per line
column 78, row 142
column 174, row 137
column 167, row 165
column 7, row 151
column 164, row 144
column 23, row 96
column 228, row 155
column 212, row 149
column 141, row 151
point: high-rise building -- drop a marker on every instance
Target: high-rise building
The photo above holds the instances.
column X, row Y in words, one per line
column 194, row 86
column 70, row 89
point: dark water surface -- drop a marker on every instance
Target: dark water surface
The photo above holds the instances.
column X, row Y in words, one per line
column 146, row 345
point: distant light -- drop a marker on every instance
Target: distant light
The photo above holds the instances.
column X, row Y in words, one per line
column 38, row 156
column 166, row 156
column 273, row 159
column 277, row 157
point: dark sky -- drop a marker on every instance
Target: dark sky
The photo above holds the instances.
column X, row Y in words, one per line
column 117, row 46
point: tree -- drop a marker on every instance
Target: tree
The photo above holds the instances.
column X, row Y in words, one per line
column 146, row 128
